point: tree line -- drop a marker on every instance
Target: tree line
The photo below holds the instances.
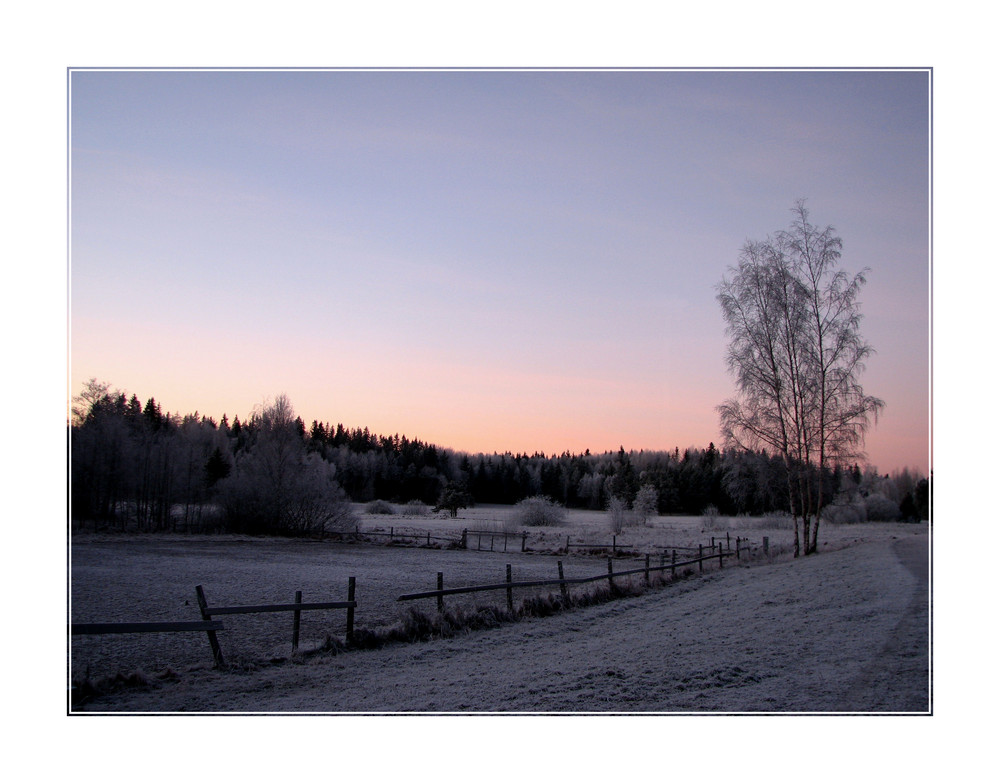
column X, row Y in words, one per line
column 136, row 467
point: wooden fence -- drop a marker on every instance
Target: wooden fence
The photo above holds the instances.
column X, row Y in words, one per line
column 210, row 627
column 418, row 536
column 296, row 608
column 509, row 584
column 94, row 629
column 494, row 540
column 503, row 541
column 207, row 626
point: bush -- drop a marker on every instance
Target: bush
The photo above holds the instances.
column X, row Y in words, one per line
column 880, row 509
column 844, row 513
column 645, row 504
column 538, row 512
column 380, row 507
column 618, row 514
column 417, row 508
column 711, row 517
column 304, row 499
column 778, row 520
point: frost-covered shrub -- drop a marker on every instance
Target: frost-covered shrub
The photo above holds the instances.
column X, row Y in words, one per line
column 538, row 511
column 777, row 520
column 847, row 513
column 710, row 517
column 645, row 505
column 879, row 508
column 307, row 500
column 619, row 514
column 380, row 507
column 417, row 508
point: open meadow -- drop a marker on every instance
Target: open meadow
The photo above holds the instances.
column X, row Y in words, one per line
column 118, row 578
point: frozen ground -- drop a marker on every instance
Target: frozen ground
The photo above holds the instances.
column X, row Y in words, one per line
column 846, row 631
column 153, row 579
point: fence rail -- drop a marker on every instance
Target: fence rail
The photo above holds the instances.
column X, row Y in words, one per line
column 209, row 626
column 296, row 608
column 293, row 607
column 417, row 535
column 509, row 585
column 493, row 540
column 95, row 629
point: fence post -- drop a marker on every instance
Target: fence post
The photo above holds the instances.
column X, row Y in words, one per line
column 611, row 575
column 567, row 545
column 524, row 540
column 428, row 538
column 727, row 539
column 392, row 531
column 737, row 547
column 720, row 553
column 350, row 610
column 505, row 541
column 713, row 543
column 510, row 591
column 213, row 640
column 673, row 563
column 562, row 584
column 647, row 569
column 440, row 587
column 614, row 545
column 491, row 542
column 701, row 562
column 296, row 619
column 765, row 545
column 465, row 540
column 479, row 542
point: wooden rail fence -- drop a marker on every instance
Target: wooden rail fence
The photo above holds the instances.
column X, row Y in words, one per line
column 493, row 537
column 420, row 536
column 94, row 629
column 496, row 541
column 207, row 626
column 210, row 627
column 296, row 608
column 509, row 584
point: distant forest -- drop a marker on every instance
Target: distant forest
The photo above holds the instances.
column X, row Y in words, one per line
column 134, row 465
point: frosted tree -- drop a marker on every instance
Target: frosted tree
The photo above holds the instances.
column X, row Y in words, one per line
column 645, row 503
column 796, row 354
column 277, row 486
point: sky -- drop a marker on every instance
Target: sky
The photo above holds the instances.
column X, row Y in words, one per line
column 486, row 260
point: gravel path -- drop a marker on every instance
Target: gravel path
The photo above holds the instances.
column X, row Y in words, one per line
column 845, row 631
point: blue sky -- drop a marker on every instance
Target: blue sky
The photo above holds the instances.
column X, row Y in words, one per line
column 499, row 260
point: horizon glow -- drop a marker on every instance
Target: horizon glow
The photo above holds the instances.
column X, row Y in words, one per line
column 491, row 261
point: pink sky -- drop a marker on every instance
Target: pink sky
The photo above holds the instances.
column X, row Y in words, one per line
column 487, row 261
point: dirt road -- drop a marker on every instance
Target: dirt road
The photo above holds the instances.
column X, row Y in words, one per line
column 892, row 681
column 845, row 631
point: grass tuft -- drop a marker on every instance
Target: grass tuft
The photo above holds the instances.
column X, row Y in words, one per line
column 85, row 689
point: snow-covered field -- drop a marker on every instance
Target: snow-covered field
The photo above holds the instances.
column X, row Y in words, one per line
column 845, row 631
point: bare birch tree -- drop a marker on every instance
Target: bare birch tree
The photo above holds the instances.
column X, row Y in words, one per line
column 796, row 354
